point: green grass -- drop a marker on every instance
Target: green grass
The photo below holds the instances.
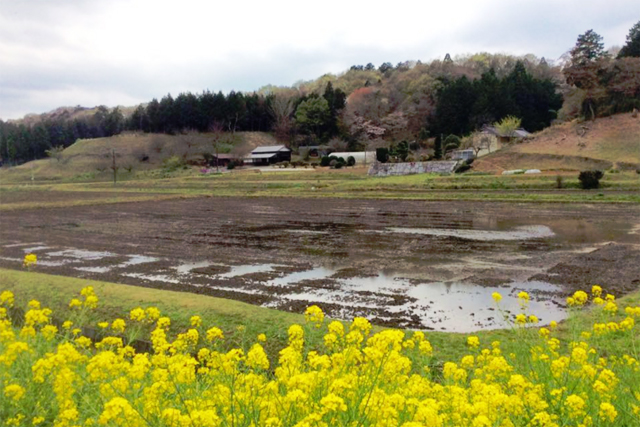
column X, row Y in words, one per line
column 116, row 300
column 621, row 187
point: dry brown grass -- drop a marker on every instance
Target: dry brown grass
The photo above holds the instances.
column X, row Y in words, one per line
column 134, row 152
column 604, row 143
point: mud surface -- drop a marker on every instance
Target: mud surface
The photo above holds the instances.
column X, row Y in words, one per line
column 429, row 265
column 8, row 198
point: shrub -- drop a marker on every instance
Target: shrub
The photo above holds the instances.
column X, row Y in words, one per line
column 231, row 165
column 590, row 179
column 351, row 161
column 172, row 163
column 325, row 161
column 559, row 181
column 382, row 155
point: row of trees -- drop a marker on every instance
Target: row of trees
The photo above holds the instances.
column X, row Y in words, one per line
column 369, row 107
column 21, row 142
column 463, row 105
column 233, row 112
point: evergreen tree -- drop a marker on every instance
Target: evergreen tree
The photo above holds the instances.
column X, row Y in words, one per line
column 588, row 49
column 437, row 154
column 153, row 115
column 632, row 47
column 312, row 114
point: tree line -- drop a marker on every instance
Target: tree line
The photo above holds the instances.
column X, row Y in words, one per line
column 368, row 106
column 22, row 142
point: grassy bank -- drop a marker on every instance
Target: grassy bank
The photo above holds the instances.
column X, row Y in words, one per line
column 322, row 374
column 117, row 300
column 615, row 188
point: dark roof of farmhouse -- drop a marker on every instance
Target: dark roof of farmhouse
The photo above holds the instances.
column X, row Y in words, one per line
column 269, row 149
column 518, row 133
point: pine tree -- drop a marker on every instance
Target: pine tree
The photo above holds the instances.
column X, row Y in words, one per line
column 632, row 48
column 588, row 49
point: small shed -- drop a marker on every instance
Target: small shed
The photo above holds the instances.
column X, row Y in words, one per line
column 270, row 154
column 463, row 155
column 221, row 160
column 359, row 156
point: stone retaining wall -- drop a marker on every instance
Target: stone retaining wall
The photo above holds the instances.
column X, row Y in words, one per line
column 391, row 169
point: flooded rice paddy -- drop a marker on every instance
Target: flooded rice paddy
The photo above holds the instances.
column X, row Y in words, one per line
column 404, row 264
column 450, row 306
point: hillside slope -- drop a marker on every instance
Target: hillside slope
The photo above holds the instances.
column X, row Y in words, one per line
column 610, row 142
column 135, row 152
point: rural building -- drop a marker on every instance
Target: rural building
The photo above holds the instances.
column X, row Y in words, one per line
column 500, row 138
column 270, row 154
column 222, row 160
column 314, row 150
column 359, row 156
column 463, row 155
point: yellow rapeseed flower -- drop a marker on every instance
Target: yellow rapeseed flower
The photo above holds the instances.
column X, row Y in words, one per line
column 473, row 342
column 195, row 321
column 14, row 392
column 607, row 412
column 29, row 260
column 315, row 315
column 6, row 298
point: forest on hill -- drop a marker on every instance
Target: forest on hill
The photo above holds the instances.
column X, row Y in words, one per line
column 368, row 106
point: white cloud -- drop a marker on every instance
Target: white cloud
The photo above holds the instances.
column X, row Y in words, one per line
column 123, row 52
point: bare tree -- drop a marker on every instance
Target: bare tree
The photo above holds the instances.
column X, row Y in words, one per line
column 55, row 152
column 216, row 138
column 281, row 109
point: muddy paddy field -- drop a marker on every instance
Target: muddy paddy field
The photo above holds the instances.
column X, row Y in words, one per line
column 428, row 265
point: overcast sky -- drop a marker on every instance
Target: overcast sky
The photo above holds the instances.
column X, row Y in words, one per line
column 117, row 52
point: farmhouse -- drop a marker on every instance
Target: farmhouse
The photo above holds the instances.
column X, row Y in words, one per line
column 221, row 160
column 501, row 138
column 270, row 154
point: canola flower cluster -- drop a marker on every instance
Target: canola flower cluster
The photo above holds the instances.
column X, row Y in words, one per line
column 55, row 376
column 29, row 260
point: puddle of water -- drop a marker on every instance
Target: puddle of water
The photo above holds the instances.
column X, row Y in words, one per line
column 307, row 232
column 381, row 284
column 518, row 233
column 40, row 261
column 153, row 277
column 241, row 270
column 94, row 269
column 299, row 276
column 36, row 248
column 81, row 254
column 15, row 245
column 138, row 259
column 47, row 263
column 188, row 267
column 454, row 307
column 462, row 307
